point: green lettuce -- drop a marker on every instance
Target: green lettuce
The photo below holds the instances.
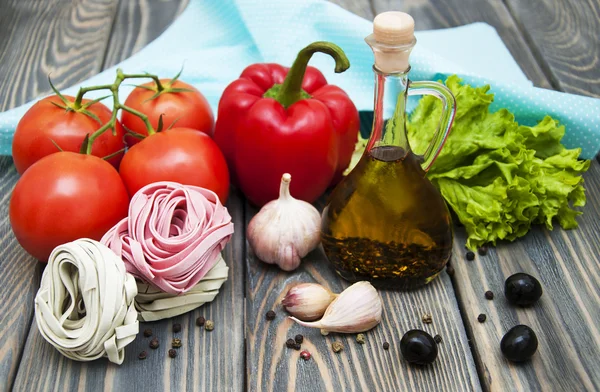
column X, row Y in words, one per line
column 499, row 177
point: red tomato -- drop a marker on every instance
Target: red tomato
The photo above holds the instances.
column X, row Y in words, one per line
column 63, row 197
column 184, row 109
column 44, row 122
column 180, row 155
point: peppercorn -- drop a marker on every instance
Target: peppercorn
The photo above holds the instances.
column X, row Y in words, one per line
column 270, row 315
column 154, row 344
column 360, row 338
column 305, row 355
column 470, row 256
column 176, row 343
column 386, row 346
column 172, row 353
column 176, row 328
column 481, row 318
column 450, row 270
column 147, row 333
column 290, row 343
column 438, row 339
column 209, row 325
column 299, row 339
column 337, row 346
column 482, row 250
column 142, row 355
column 489, row 295
column 297, row 346
column 200, row 321
column 427, row 318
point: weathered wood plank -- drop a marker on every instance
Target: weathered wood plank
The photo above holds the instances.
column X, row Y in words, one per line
column 207, row 361
column 564, row 34
column 62, row 38
column 137, row 23
column 19, row 279
column 566, row 318
column 435, row 14
column 66, row 39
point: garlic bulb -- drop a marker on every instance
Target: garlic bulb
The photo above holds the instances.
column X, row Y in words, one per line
column 356, row 309
column 284, row 230
column 307, row 301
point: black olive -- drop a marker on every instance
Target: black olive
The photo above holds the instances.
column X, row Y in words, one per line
column 418, row 347
column 522, row 289
column 519, row 344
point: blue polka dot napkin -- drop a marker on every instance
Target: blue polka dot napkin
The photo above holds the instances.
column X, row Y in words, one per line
column 216, row 40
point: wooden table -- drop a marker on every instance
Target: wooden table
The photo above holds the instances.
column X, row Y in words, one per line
column 557, row 44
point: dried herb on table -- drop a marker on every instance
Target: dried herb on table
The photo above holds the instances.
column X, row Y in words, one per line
column 427, row 318
column 209, row 325
column 360, row 338
column 176, row 343
column 337, row 346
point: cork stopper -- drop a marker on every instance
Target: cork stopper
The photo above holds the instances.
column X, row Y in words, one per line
column 392, row 41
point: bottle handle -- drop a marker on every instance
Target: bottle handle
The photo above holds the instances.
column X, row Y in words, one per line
column 441, row 92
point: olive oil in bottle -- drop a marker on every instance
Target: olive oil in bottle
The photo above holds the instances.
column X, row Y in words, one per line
column 386, row 222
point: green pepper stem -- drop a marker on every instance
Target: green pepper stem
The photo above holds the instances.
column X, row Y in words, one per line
column 291, row 90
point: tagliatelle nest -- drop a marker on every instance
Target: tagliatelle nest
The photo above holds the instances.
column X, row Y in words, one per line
column 84, row 306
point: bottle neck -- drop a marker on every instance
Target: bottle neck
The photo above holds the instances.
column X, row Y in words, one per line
column 388, row 139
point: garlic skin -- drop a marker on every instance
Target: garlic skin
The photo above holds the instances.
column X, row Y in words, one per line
column 307, row 301
column 285, row 229
column 356, row 309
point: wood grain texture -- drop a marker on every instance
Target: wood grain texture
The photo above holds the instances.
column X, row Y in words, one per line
column 63, row 38
column 564, row 33
column 207, row 361
column 66, row 39
column 436, row 14
column 566, row 319
column 19, row 279
column 137, row 23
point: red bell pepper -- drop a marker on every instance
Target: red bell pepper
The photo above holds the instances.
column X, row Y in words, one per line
column 274, row 120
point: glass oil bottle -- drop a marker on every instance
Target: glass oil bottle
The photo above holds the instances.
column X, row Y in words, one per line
column 386, row 222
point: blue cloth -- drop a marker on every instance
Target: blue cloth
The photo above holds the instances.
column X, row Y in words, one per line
column 216, row 40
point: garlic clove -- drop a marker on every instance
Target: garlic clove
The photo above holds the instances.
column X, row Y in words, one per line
column 307, row 301
column 284, row 230
column 356, row 309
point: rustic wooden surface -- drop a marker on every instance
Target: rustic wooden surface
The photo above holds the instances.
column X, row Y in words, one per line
column 563, row 34
column 555, row 42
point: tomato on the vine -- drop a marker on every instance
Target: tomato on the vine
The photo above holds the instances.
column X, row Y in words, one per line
column 51, row 125
column 180, row 155
column 63, row 197
column 180, row 104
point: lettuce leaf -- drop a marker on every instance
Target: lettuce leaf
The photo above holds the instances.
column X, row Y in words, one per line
column 499, row 177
